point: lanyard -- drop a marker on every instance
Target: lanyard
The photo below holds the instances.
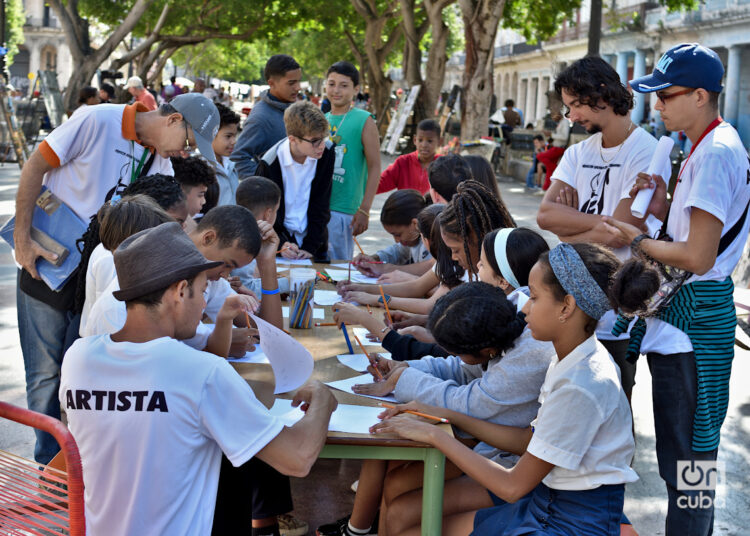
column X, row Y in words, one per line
column 135, row 172
column 715, row 123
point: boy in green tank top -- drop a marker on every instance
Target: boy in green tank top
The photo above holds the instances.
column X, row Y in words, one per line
column 356, row 171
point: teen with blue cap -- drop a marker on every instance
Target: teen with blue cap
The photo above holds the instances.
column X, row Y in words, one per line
column 690, row 341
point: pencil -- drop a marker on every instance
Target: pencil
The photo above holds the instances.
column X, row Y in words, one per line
column 417, row 413
column 368, row 309
column 248, row 319
column 371, row 360
column 325, row 324
column 385, row 303
column 349, row 275
column 362, row 251
column 281, row 250
column 346, row 338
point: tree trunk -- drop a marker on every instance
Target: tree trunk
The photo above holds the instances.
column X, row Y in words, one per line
column 436, row 57
column 595, row 27
column 481, row 19
column 376, row 51
column 412, row 62
column 86, row 59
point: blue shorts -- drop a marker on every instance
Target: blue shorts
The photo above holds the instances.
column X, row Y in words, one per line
column 594, row 512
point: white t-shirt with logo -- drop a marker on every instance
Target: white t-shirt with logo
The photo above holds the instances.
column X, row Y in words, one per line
column 151, row 421
column 93, row 156
column 716, row 179
column 591, row 445
column 603, row 177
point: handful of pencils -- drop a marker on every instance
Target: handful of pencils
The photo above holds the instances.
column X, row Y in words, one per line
column 301, row 310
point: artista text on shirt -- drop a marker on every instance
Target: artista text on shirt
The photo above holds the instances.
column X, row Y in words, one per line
column 96, row 400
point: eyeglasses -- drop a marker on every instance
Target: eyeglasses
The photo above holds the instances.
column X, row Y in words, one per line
column 315, row 143
column 664, row 97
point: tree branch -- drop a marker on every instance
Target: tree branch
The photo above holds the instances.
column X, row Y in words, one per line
column 146, row 44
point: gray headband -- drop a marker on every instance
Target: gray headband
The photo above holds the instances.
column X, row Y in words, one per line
column 577, row 281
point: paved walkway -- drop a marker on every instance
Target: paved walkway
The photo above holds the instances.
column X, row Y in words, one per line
column 325, row 495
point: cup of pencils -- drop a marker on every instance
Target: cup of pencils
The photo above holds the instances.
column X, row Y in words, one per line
column 301, row 308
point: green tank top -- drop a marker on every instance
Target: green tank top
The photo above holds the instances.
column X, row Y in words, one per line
column 350, row 167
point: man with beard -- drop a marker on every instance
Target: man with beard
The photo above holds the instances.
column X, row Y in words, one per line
column 594, row 177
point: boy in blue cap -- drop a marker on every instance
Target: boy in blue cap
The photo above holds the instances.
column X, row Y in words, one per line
column 690, row 342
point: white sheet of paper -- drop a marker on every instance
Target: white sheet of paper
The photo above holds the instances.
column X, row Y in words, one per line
column 317, row 313
column 326, row 297
column 347, row 418
column 358, row 277
column 346, row 386
column 357, row 362
column 339, row 275
column 292, row 363
column 343, row 265
column 362, row 334
column 296, row 262
column 256, row 356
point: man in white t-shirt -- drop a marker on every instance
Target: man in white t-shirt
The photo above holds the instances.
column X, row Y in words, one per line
column 80, row 162
column 594, row 177
column 690, row 344
column 152, row 417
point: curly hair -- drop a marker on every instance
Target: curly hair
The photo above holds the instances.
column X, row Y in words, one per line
column 473, row 317
column 596, row 84
column 227, row 116
column 472, row 213
column 161, row 188
column 193, row 171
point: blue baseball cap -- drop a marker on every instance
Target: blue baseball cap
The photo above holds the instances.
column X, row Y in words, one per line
column 688, row 65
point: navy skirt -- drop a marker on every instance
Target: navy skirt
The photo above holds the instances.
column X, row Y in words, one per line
column 594, row 512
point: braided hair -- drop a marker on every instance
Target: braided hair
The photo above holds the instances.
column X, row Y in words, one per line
column 473, row 317
column 474, row 210
column 161, row 188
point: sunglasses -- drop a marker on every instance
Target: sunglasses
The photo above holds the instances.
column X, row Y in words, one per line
column 664, row 97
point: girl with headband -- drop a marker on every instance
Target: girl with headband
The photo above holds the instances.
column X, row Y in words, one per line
column 493, row 371
column 574, row 464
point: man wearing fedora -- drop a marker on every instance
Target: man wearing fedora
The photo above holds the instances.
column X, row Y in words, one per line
column 81, row 162
column 152, row 416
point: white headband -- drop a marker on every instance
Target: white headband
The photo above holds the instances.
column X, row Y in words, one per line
column 501, row 256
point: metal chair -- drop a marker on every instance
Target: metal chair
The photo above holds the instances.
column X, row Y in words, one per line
column 39, row 499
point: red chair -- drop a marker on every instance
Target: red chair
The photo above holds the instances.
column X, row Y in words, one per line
column 39, row 499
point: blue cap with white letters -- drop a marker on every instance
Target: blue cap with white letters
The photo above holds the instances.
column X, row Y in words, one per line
column 688, row 65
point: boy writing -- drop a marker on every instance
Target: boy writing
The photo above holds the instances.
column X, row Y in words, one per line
column 356, row 172
column 223, row 145
column 409, row 171
column 301, row 165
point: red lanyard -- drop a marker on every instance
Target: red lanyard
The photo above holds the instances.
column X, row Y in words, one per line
column 715, row 123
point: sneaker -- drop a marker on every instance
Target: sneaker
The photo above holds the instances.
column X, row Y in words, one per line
column 291, row 526
column 539, row 191
column 338, row 528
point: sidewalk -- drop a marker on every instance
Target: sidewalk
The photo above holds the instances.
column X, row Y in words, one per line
column 325, row 496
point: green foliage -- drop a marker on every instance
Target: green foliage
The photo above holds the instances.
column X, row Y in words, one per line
column 14, row 20
column 537, row 20
column 230, row 60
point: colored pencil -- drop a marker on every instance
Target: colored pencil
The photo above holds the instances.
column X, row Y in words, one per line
column 346, row 337
column 371, row 360
column 362, row 251
column 417, row 413
column 368, row 309
column 385, row 303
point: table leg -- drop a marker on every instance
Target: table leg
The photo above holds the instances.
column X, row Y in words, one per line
column 432, row 492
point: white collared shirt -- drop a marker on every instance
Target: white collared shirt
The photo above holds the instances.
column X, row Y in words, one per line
column 584, row 423
column 297, row 184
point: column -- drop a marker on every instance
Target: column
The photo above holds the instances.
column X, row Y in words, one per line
column 639, row 69
column 541, row 97
column 622, row 66
column 732, row 89
column 528, row 110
